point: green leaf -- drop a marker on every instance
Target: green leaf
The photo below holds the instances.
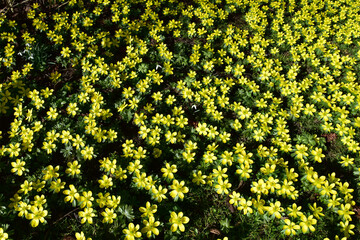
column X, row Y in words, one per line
column 127, row 211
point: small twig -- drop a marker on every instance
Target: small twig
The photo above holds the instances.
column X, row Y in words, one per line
column 66, row 215
column 11, row 6
column 62, row 4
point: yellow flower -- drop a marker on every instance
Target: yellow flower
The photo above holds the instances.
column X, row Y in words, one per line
column 178, row 189
column 86, row 199
column 325, row 114
column 345, row 211
column 327, row 189
column 71, row 193
column 37, row 215
column 208, row 66
column 81, row 236
column 73, row 168
column 259, row 187
column 168, row 171
column 159, row 193
column 171, row 137
column 50, row 172
column 318, row 155
column 244, row 205
column 157, row 96
column 198, row 178
column 244, row 171
column 38, row 201
column 3, row 235
column 317, row 211
column 309, row 109
column 346, row 161
column 178, row 221
column 346, row 228
column 14, row 149
column 14, row 201
column 301, row 151
column 307, row 223
column 272, row 184
column 113, row 201
column 157, row 152
column 224, row 137
column 239, row 70
column 78, row 142
column 87, row 153
column 65, row 52
column 333, row 202
column 150, row 227
column 103, row 199
column 220, row 172
column 72, row 109
column 87, row 215
column 120, row 173
column 344, row 188
column 26, row 187
column 290, row 227
column 222, row 186
column 108, row 215
column 132, row 232
column 18, row 167
column 140, row 180
column 275, row 209
column 65, row 136
column 202, row 129
column 105, row 182
column 48, row 146
column 148, row 210
column 52, row 136
column 57, row 185
column 295, row 211
column 234, row 198
column 39, row 185
column 23, row 208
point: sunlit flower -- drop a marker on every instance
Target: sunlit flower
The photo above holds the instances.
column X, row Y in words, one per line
column 178, row 220
column 132, row 232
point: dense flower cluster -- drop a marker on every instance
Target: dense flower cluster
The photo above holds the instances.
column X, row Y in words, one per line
column 120, row 111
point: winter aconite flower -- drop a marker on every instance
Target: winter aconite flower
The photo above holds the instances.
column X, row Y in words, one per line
column 57, row 185
column 178, row 220
column 36, row 215
column 345, row 211
column 3, row 235
column 290, row 228
column 108, row 215
column 222, row 186
column 65, row 52
column 307, row 223
column 14, row 149
column 168, row 171
column 148, row 210
column 275, row 209
column 18, row 167
column 150, row 227
column 81, row 236
column 178, row 189
column 132, row 232
column 71, row 193
column 246, row 102
column 87, row 215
